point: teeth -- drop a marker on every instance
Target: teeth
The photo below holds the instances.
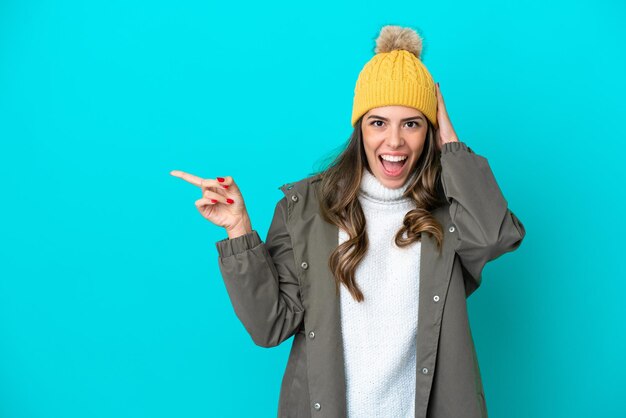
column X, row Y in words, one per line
column 394, row 158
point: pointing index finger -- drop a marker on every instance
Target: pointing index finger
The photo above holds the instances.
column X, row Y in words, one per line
column 195, row 180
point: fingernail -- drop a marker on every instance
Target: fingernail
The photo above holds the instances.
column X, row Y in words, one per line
column 225, row 186
column 213, row 201
column 230, row 200
column 220, row 179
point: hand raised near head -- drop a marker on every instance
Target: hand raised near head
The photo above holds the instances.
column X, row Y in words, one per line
column 445, row 131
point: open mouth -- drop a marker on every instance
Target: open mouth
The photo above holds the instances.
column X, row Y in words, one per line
column 392, row 168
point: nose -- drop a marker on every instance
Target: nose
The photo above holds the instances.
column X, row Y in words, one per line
column 395, row 139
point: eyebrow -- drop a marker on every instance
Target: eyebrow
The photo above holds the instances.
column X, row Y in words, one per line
column 401, row 120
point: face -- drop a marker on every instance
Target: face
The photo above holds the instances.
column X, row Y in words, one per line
column 396, row 133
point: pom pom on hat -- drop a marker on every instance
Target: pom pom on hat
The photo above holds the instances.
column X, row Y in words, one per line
column 396, row 37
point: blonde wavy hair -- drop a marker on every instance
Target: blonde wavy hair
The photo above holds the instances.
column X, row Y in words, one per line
column 339, row 205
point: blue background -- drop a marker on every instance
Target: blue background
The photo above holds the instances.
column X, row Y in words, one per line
column 111, row 301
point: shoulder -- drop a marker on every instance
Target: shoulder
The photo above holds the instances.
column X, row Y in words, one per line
column 300, row 186
column 300, row 195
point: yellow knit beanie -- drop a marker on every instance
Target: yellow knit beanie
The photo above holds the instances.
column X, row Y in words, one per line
column 395, row 76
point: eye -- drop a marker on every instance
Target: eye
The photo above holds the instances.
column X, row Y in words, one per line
column 412, row 121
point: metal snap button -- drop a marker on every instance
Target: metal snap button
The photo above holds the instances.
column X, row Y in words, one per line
column 436, row 298
column 311, row 334
column 294, row 197
column 317, row 406
column 425, row 370
column 304, row 265
column 451, row 228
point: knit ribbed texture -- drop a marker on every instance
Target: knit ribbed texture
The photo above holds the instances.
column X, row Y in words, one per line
column 379, row 334
column 395, row 78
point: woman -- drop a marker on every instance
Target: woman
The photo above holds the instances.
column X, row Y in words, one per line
column 370, row 261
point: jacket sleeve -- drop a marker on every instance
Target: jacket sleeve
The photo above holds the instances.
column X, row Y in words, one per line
column 486, row 228
column 262, row 282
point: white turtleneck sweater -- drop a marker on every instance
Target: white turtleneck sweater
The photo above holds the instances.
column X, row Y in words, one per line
column 379, row 334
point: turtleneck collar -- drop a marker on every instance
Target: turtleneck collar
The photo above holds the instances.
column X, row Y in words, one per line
column 371, row 188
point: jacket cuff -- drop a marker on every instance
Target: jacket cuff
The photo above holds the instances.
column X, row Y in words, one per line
column 450, row 147
column 237, row 245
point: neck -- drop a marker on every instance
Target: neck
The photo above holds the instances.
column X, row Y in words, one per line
column 372, row 188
